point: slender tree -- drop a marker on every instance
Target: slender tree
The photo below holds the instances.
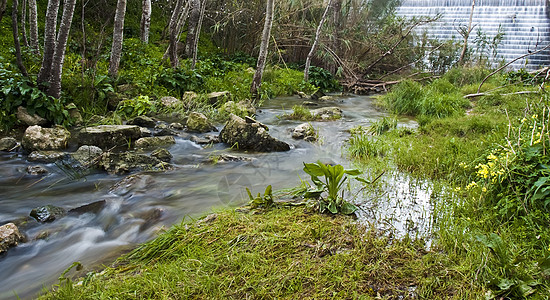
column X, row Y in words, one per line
column 49, row 43
column 24, row 23
column 118, row 36
column 15, row 29
column 145, row 21
column 316, row 41
column 466, row 35
column 60, row 47
column 264, row 45
column 192, row 34
column 174, row 34
column 33, row 22
column 196, row 45
column 3, row 5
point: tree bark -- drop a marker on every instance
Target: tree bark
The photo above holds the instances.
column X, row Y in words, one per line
column 198, row 34
column 264, row 45
column 336, row 39
column 61, row 44
column 467, row 35
column 33, row 22
column 315, row 41
column 3, row 5
column 118, row 37
column 174, row 36
column 145, row 21
column 24, row 23
column 15, row 29
column 194, row 18
column 49, row 43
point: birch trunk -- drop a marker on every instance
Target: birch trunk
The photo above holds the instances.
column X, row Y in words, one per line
column 315, row 41
column 264, row 45
column 118, row 37
column 33, row 22
column 194, row 18
column 15, row 29
column 49, row 43
column 173, row 47
column 145, row 21
column 61, row 44
column 198, row 34
column 24, row 23
column 179, row 29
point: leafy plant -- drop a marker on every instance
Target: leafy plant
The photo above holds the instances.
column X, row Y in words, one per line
column 334, row 178
column 323, row 79
column 381, row 126
column 261, row 201
column 137, row 106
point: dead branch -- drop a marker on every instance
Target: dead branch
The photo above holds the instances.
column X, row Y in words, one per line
column 508, row 94
column 411, row 64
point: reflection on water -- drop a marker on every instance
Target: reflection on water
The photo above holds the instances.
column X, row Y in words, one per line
column 136, row 209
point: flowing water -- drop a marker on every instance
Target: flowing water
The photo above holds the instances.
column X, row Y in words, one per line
column 135, row 211
column 525, row 24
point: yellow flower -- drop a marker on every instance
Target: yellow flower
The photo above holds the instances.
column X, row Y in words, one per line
column 492, row 157
column 471, row 185
column 457, row 189
column 523, row 120
column 484, row 189
column 534, row 116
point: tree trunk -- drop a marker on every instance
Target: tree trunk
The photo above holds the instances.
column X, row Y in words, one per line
column 145, row 21
column 194, row 18
column 15, row 28
column 315, row 41
column 49, row 43
column 173, row 47
column 336, row 44
column 264, row 45
column 3, row 4
column 33, row 22
column 198, row 34
column 118, row 36
column 467, row 35
column 24, row 23
column 179, row 29
column 59, row 53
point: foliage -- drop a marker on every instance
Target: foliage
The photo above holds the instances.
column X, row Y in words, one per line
column 137, row 106
column 362, row 146
column 383, row 125
column 265, row 201
column 323, row 79
column 334, row 178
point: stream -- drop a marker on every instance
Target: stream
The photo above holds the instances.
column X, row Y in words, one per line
column 135, row 212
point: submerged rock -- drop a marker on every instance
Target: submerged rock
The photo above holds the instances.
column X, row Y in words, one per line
column 86, row 155
column 46, row 156
column 176, row 126
column 30, row 120
column 228, row 158
column 9, row 237
column 209, row 139
column 120, row 163
column 142, row 121
column 164, row 130
column 162, row 154
column 304, row 131
column 36, row 170
column 110, row 136
column 48, row 213
column 327, row 113
column 152, row 142
column 39, row 138
column 197, row 122
column 8, row 144
column 250, row 136
column 94, row 208
column 132, row 183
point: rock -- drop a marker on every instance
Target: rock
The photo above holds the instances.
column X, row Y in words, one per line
column 113, row 100
column 197, row 122
column 209, row 139
column 36, row 170
column 207, row 220
column 304, row 95
column 120, row 163
column 48, row 213
column 93, row 208
column 309, row 104
column 9, row 237
column 318, row 94
column 327, row 113
column 30, row 120
column 46, row 156
column 216, row 97
column 228, row 158
column 176, row 126
column 133, row 183
column 39, row 138
column 86, row 155
column 8, row 144
column 155, row 141
column 110, row 136
column 327, row 99
column 150, row 217
column 162, row 154
column 250, row 136
column 142, row 121
column 303, row 131
column 189, row 96
column 145, row 132
column 169, row 101
column 241, row 109
column 74, row 113
column 164, row 130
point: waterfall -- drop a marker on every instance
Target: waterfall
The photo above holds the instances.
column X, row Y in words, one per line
column 525, row 24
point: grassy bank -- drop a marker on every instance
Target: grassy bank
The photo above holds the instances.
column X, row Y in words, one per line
column 287, row 253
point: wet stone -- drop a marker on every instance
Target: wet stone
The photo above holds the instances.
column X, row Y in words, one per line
column 48, row 213
column 93, row 208
column 177, row 126
column 86, row 155
column 46, row 156
column 8, row 144
column 39, row 138
column 142, row 121
column 36, row 170
column 109, row 136
column 9, row 237
column 162, row 154
column 151, row 142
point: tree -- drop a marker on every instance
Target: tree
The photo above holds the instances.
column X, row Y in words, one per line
column 145, row 21
column 24, row 23
column 192, row 35
column 196, row 44
column 175, row 21
column 465, row 32
column 33, row 22
column 49, row 43
column 15, row 29
column 118, row 37
column 3, row 4
column 264, row 45
column 316, row 41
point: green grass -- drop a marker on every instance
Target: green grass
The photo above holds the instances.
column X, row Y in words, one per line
column 285, row 253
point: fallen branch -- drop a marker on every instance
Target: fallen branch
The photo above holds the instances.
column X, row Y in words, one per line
column 509, row 94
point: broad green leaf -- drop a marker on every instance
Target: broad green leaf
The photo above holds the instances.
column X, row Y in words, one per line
column 313, row 169
column 332, row 207
column 348, row 208
column 249, row 194
column 352, row 172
